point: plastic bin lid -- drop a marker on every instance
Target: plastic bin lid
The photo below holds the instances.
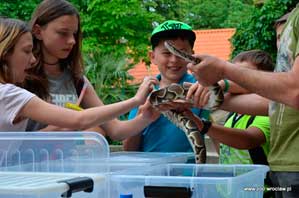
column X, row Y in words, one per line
column 28, row 183
column 19, row 148
column 197, row 173
column 151, row 157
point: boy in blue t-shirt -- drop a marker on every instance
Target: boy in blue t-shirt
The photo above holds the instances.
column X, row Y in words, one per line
column 161, row 135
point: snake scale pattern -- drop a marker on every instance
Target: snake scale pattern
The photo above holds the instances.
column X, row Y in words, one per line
column 175, row 92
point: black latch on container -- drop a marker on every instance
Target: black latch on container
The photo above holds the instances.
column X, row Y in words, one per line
column 167, row 192
column 77, row 184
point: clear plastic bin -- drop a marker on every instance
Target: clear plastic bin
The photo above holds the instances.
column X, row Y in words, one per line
column 53, row 165
column 151, row 157
column 191, row 181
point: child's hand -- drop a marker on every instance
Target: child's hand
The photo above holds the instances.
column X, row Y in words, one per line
column 199, row 94
column 148, row 112
column 145, row 88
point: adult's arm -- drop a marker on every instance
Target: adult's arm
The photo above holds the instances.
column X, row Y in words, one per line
column 237, row 138
column 282, row 87
column 251, row 104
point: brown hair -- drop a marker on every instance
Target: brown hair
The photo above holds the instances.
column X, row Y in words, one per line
column 47, row 11
column 281, row 20
column 10, row 32
column 261, row 59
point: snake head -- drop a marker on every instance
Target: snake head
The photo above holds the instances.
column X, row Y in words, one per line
column 187, row 57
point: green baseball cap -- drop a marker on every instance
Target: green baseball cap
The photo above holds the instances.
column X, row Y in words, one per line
column 172, row 27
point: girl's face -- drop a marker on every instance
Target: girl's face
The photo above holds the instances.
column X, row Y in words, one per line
column 21, row 58
column 58, row 37
column 171, row 67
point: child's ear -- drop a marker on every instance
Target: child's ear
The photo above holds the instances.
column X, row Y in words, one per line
column 36, row 31
column 151, row 56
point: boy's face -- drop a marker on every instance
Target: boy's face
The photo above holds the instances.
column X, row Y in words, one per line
column 171, row 67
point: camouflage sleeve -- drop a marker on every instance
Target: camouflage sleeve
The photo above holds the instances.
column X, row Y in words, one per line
column 296, row 31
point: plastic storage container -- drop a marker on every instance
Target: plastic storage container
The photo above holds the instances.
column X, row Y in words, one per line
column 191, row 181
column 152, row 158
column 52, row 165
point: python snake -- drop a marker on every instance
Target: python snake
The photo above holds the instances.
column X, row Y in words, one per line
column 176, row 92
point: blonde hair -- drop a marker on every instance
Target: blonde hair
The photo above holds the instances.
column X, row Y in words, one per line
column 10, row 32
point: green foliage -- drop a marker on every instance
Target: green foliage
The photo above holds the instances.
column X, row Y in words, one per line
column 19, row 9
column 257, row 32
column 81, row 5
column 169, row 9
column 119, row 28
column 207, row 14
column 237, row 11
column 109, row 75
column 23, row 9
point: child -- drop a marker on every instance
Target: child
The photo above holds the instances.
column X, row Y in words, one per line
column 162, row 135
column 244, row 139
column 58, row 73
column 17, row 104
column 241, row 132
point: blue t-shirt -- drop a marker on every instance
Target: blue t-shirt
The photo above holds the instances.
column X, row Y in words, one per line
column 162, row 135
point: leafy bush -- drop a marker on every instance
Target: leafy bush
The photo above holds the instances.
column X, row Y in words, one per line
column 257, row 32
column 109, row 76
column 119, row 28
column 19, row 9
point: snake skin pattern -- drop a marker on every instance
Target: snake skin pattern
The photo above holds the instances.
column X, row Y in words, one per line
column 176, row 92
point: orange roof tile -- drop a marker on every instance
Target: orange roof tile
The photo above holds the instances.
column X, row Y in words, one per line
column 214, row 42
column 141, row 70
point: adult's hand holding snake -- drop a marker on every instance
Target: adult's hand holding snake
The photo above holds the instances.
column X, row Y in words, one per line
column 209, row 70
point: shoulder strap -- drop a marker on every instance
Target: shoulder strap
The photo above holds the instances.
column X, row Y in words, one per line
column 229, row 116
column 236, row 117
column 250, row 121
column 257, row 154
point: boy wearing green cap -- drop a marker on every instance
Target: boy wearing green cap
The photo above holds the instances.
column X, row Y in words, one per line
column 161, row 135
